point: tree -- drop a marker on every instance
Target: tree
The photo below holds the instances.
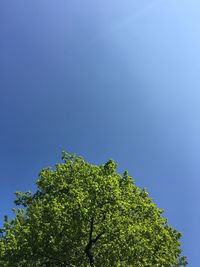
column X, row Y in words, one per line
column 87, row 215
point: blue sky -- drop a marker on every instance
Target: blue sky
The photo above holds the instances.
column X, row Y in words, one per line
column 104, row 79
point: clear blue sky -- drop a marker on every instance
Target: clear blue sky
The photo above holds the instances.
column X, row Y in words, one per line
column 104, row 79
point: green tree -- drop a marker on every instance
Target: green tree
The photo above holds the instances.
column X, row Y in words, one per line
column 87, row 215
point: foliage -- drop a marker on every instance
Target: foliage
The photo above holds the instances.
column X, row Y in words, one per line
column 87, row 215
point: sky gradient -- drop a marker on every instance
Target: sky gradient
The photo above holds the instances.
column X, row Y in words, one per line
column 104, row 79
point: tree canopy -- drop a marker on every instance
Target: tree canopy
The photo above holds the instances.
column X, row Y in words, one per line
column 87, row 215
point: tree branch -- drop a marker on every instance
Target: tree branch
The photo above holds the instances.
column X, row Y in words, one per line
column 64, row 263
column 97, row 237
column 90, row 243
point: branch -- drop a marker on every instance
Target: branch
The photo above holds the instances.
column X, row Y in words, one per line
column 64, row 263
column 90, row 243
column 97, row 237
